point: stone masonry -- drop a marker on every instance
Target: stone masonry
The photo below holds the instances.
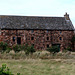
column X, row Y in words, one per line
column 41, row 39
column 42, row 32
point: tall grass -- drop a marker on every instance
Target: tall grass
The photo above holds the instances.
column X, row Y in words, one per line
column 37, row 55
column 41, row 67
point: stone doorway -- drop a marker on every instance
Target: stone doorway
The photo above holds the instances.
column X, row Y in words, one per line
column 19, row 40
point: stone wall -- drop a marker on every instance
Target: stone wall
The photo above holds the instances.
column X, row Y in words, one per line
column 41, row 39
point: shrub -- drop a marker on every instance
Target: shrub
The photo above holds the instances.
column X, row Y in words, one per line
column 67, row 49
column 8, row 49
column 4, row 70
column 17, row 48
column 29, row 49
column 73, row 39
column 3, row 47
column 24, row 47
column 53, row 49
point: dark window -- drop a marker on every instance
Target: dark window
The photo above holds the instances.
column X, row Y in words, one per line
column 47, row 38
column 47, row 45
column 60, row 38
column 13, row 39
column 60, row 32
column 32, row 31
column 32, row 44
column 41, row 48
column 47, row 31
column 32, row 38
column 18, row 40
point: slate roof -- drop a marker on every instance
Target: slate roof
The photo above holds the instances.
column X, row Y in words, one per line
column 35, row 22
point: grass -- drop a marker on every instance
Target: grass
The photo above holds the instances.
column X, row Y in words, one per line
column 40, row 63
column 41, row 67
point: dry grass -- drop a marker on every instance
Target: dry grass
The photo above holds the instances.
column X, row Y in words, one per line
column 40, row 63
column 41, row 67
column 37, row 55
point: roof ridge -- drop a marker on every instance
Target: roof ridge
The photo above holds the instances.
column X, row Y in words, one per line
column 30, row 16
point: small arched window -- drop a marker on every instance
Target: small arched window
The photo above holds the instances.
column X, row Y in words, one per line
column 13, row 39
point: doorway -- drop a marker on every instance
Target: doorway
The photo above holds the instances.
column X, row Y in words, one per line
column 19, row 40
column 58, row 45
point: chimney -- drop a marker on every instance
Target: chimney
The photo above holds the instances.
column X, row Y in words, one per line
column 67, row 16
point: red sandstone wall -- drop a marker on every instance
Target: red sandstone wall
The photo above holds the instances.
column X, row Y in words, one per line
column 40, row 37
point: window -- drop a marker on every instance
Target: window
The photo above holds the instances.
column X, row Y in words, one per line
column 32, row 44
column 47, row 45
column 32, row 31
column 60, row 32
column 47, row 38
column 60, row 38
column 13, row 39
column 19, row 40
column 47, row 31
column 32, row 38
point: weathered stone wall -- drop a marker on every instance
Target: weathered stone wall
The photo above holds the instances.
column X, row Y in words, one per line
column 41, row 38
column 65, row 40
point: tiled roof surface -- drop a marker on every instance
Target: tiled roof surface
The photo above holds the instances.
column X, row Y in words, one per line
column 35, row 22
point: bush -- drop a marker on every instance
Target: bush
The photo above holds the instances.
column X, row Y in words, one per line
column 6, row 71
column 53, row 49
column 26, row 48
column 73, row 39
column 17, row 48
column 3, row 47
column 29, row 49
column 8, row 49
column 67, row 49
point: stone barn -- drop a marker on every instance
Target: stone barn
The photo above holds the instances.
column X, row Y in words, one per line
column 41, row 32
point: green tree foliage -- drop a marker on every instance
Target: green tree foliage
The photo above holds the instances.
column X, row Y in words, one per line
column 26, row 48
column 53, row 49
column 29, row 49
column 17, row 48
column 68, row 48
column 73, row 38
column 4, row 70
column 3, row 47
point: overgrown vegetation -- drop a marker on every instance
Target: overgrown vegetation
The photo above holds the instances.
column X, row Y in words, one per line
column 4, row 70
column 26, row 51
column 26, row 48
column 29, row 49
column 53, row 49
column 17, row 48
column 41, row 67
column 73, row 39
column 30, row 63
column 4, row 47
column 67, row 49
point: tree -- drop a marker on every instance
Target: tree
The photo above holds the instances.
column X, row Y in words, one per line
column 73, row 42
column 29, row 49
column 4, row 70
column 3, row 47
column 73, row 39
column 53, row 49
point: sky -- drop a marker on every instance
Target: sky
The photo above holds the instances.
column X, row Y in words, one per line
column 55, row 8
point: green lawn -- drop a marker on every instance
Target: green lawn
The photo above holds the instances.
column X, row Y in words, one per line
column 41, row 67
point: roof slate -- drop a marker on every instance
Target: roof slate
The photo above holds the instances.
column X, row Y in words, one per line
column 35, row 22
